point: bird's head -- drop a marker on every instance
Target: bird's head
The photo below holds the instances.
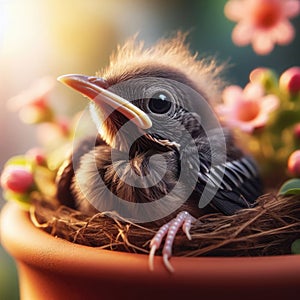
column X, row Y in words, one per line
column 148, row 92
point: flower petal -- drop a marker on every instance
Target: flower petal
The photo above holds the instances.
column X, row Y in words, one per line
column 253, row 91
column 269, row 103
column 291, row 8
column 260, row 120
column 232, row 94
column 283, row 33
column 234, row 10
column 262, row 42
column 246, row 127
column 242, row 33
column 223, row 111
column 256, row 74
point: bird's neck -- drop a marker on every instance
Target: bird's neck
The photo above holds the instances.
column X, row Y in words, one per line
column 149, row 145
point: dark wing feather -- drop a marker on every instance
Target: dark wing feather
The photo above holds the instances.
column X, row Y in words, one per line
column 237, row 182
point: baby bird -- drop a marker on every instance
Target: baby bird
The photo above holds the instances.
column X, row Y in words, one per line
column 160, row 156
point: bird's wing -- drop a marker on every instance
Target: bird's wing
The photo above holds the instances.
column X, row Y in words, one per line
column 235, row 184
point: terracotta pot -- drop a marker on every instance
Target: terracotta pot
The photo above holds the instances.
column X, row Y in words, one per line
column 52, row 268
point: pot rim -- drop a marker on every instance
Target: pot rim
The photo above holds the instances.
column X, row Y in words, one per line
column 34, row 247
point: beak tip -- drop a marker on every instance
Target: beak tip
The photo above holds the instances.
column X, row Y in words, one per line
column 64, row 78
column 60, row 78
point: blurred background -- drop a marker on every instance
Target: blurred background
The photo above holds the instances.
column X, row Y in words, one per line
column 54, row 37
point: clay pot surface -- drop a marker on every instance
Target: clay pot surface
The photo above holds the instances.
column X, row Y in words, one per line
column 52, row 268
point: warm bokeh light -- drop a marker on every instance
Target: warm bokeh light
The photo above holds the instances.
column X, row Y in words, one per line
column 51, row 38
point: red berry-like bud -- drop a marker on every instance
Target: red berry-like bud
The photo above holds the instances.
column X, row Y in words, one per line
column 290, row 80
column 297, row 131
column 17, row 179
column 37, row 155
column 294, row 163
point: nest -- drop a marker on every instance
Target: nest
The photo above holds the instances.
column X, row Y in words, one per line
column 267, row 229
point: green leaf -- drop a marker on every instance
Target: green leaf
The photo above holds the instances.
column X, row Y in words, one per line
column 285, row 119
column 295, row 248
column 290, row 187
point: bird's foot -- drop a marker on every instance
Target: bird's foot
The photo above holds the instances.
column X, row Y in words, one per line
column 170, row 230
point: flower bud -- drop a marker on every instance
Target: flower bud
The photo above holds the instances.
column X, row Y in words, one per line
column 290, row 80
column 17, row 179
column 297, row 131
column 257, row 74
column 294, row 163
column 266, row 77
column 37, row 155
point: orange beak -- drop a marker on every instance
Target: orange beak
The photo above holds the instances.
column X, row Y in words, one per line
column 96, row 90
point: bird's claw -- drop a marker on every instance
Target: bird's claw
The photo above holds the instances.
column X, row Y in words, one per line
column 170, row 230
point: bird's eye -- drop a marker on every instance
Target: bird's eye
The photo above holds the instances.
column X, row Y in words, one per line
column 159, row 103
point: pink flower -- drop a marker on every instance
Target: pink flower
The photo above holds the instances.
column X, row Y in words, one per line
column 247, row 109
column 17, row 179
column 36, row 95
column 262, row 22
column 294, row 163
column 290, row 80
column 32, row 103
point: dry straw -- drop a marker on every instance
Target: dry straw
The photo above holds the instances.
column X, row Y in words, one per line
column 267, row 229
